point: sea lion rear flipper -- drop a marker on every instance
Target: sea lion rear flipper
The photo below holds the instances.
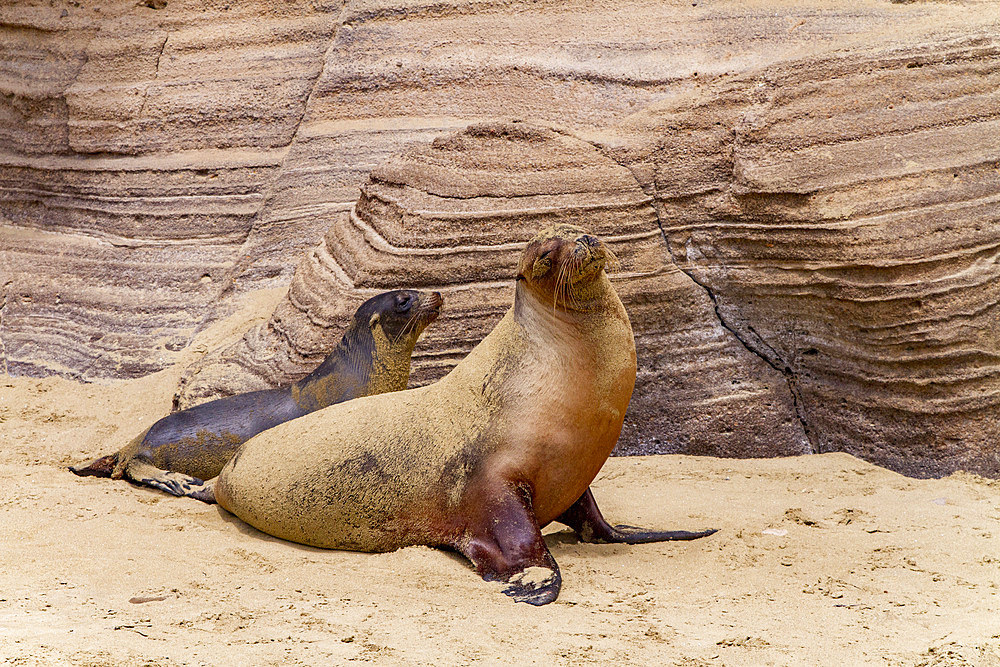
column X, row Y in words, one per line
column 101, row 467
column 174, row 483
column 586, row 519
column 507, row 546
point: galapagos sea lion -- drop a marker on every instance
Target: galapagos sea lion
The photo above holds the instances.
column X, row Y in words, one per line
column 181, row 450
column 479, row 461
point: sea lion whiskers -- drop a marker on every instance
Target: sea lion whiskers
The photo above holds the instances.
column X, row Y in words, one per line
column 561, row 290
column 428, row 309
column 562, row 279
column 407, row 328
column 577, row 263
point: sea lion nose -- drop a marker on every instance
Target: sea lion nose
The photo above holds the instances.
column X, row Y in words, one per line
column 589, row 240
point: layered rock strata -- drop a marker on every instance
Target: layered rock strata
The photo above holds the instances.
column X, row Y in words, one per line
column 400, row 72
column 844, row 214
column 198, row 146
column 823, row 178
column 138, row 148
column 454, row 216
column 838, row 241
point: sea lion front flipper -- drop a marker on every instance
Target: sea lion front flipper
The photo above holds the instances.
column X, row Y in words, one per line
column 586, row 519
column 507, row 546
column 174, row 483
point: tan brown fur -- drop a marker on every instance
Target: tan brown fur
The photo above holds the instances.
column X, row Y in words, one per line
column 508, row 441
column 539, row 401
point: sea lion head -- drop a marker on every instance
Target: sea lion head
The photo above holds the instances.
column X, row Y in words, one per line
column 401, row 315
column 374, row 355
column 563, row 264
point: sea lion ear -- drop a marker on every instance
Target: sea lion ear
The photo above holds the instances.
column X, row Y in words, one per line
column 373, row 321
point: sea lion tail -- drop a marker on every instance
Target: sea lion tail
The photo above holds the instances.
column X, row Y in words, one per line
column 101, row 467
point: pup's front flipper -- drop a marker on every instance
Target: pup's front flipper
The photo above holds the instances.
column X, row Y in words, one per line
column 174, row 483
column 585, row 518
column 506, row 545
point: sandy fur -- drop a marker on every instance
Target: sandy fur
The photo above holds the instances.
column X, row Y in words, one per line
column 378, row 473
column 538, row 403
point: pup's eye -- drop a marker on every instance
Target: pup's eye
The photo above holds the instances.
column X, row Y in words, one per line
column 403, row 303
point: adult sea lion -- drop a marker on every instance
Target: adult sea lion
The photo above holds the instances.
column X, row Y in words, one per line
column 507, row 442
column 179, row 451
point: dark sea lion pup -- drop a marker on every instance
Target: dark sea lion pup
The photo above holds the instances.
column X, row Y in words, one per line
column 179, row 451
column 507, row 442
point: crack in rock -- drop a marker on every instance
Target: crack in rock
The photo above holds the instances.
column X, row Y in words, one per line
column 3, row 307
column 773, row 359
column 229, row 282
column 156, row 74
column 779, row 365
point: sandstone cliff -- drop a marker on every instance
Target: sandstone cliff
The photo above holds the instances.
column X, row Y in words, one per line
column 803, row 196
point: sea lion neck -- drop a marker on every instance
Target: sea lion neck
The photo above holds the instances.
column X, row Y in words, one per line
column 586, row 307
column 389, row 369
column 345, row 372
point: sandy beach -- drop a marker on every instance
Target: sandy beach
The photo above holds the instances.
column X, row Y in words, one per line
column 819, row 560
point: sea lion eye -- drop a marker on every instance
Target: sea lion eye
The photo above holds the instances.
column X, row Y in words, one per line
column 541, row 265
column 403, row 303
